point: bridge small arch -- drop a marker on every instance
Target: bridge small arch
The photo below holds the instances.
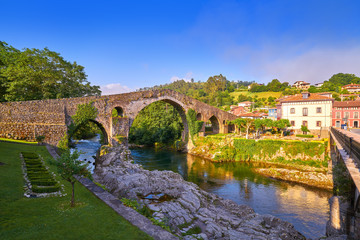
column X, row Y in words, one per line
column 117, row 112
column 212, row 125
column 199, row 117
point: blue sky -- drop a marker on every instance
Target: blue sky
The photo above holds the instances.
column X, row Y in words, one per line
column 125, row 45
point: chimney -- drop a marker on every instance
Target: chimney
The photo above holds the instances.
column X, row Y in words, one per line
column 305, row 95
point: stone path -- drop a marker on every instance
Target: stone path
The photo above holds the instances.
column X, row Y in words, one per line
column 135, row 218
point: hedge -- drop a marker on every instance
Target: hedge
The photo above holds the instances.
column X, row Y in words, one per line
column 41, row 180
column 45, row 189
column 305, row 135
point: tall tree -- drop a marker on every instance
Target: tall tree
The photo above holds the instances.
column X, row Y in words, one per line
column 34, row 74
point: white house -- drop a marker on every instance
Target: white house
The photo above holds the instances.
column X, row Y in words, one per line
column 301, row 85
column 309, row 109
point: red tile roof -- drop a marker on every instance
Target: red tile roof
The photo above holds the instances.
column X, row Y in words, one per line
column 238, row 110
column 299, row 98
column 347, row 104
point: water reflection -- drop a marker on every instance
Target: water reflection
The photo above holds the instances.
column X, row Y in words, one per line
column 306, row 208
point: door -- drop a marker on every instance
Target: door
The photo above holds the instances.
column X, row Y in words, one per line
column 356, row 124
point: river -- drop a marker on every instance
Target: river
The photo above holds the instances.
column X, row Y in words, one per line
column 305, row 207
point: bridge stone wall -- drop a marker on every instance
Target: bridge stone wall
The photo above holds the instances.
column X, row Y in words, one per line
column 50, row 118
column 345, row 211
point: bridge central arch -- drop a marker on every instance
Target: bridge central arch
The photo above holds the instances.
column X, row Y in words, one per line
column 177, row 106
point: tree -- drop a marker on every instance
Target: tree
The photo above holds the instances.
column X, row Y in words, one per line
column 242, row 98
column 282, row 124
column 258, row 124
column 239, row 122
column 274, row 86
column 34, row 74
column 68, row 166
column 304, row 129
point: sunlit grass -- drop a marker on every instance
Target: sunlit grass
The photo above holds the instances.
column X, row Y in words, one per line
column 52, row 217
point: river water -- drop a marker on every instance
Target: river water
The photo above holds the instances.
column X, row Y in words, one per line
column 305, row 207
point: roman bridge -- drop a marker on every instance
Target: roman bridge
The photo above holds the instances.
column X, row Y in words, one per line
column 50, row 118
column 345, row 205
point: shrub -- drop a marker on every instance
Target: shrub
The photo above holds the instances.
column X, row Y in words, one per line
column 30, row 155
column 305, row 135
column 45, row 189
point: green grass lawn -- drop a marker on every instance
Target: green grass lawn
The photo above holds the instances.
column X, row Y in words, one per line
column 52, row 218
column 259, row 94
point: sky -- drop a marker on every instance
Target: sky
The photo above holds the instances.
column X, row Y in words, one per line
column 127, row 45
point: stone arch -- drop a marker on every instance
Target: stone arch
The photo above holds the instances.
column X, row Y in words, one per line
column 214, row 124
column 99, row 125
column 199, row 117
column 177, row 105
column 119, row 110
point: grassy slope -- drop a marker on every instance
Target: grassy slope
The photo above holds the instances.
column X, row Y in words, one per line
column 51, row 218
column 259, row 94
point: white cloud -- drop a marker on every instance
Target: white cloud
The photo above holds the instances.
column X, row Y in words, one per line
column 296, row 62
column 114, row 88
column 315, row 65
column 187, row 78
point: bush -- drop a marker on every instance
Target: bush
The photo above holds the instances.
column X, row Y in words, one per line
column 43, row 182
column 45, row 189
column 305, row 135
column 30, row 155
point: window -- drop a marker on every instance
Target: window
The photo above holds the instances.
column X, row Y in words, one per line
column 318, row 123
column 337, row 124
column 292, row 110
column 356, row 114
column 304, row 123
column 305, row 111
column 318, row 110
column 292, row 123
column 338, row 115
column 347, row 115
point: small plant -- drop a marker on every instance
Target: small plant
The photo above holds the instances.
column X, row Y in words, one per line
column 68, row 166
column 304, row 129
column 40, row 139
column 130, row 203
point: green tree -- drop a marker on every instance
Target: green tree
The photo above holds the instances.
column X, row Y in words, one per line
column 304, row 129
column 68, row 167
column 274, row 86
column 239, row 123
column 34, row 74
column 158, row 122
column 282, row 124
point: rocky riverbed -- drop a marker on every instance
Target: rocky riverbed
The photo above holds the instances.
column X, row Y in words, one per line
column 188, row 211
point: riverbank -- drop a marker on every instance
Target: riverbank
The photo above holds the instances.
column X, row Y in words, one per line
column 182, row 206
column 304, row 162
column 52, row 217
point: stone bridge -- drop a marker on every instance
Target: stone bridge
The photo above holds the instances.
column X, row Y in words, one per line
column 50, row 118
column 345, row 210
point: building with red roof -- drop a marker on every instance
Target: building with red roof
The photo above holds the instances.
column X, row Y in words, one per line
column 346, row 112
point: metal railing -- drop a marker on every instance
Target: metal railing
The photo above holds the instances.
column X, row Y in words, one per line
column 351, row 146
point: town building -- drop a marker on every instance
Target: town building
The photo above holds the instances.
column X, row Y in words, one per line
column 309, row 109
column 238, row 110
column 253, row 115
column 352, row 87
column 301, row 85
column 246, row 104
column 272, row 114
column 346, row 113
column 318, row 84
